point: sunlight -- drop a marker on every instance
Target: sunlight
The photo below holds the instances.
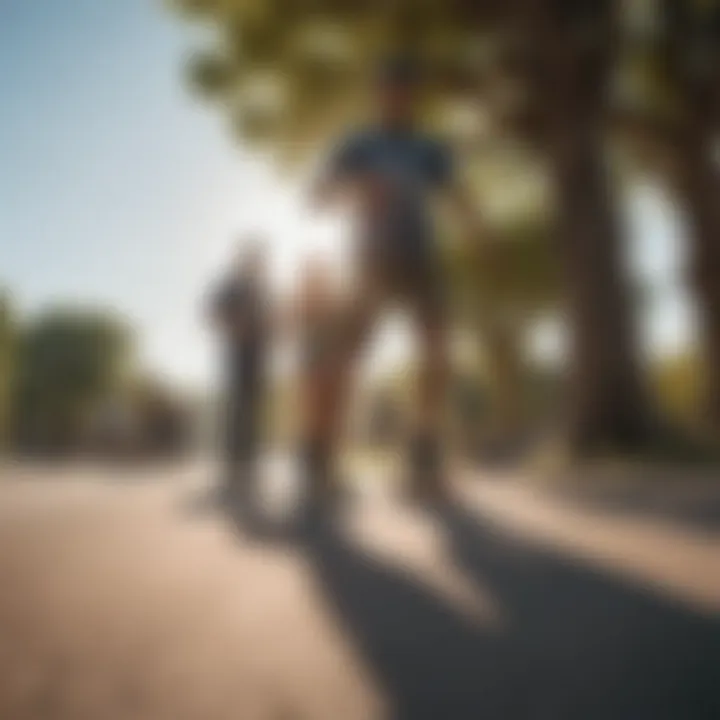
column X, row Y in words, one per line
column 417, row 548
column 295, row 232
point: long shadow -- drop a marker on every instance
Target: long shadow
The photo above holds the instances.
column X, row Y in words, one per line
column 578, row 644
column 698, row 513
column 585, row 644
column 245, row 517
column 575, row 644
column 427, row 660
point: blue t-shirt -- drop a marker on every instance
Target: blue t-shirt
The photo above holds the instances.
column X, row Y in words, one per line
column 410, row 167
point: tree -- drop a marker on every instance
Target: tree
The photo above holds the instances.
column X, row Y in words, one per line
column 288, row 73
column 678, row 380
column 8, row 350
column 567, row 54
column 163, row 417
column 70, row 359
column 692, row 40
column 501, row 300
column 673, row 104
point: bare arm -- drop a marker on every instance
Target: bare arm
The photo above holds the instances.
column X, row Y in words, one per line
column 338, row 174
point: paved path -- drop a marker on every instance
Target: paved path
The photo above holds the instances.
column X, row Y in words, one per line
column 128, row 595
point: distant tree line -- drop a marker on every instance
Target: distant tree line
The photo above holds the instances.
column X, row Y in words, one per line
column 70, row 383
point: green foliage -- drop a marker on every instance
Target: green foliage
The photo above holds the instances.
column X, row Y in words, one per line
column 69, row 360
column 211, row 74
column 288, row 75
column 317, row 55
column 668, row 72
column 162, row 417
column 515, row 277
column 8, row 350
column 678, row 383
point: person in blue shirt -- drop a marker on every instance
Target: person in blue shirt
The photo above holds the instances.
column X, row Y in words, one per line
column 391, row 171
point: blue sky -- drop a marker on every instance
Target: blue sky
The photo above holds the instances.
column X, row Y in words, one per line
column 117, row 187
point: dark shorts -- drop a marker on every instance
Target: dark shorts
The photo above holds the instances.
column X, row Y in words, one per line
column 414, row 281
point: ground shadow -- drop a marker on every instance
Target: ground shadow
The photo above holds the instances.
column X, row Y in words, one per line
column 584, row 643
column 202, row 501
column 577, row 644
column 699, row 511
column 245, row 516
column 428, row 661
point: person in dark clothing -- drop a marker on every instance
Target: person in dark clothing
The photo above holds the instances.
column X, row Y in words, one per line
column 391, row 171
column 240, row 314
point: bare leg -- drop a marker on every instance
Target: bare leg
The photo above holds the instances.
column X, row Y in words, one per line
column 433, row 378
column 358, row 324
column 326, row 394
column 426, row 460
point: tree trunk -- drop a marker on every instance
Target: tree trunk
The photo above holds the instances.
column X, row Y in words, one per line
column 692, row 52
column 7, row 366
column 608, row 401
column 700, row 188
column 501, row 345
column 571, row 51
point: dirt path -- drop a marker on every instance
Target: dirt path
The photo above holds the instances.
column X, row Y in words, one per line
column 128, row 597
